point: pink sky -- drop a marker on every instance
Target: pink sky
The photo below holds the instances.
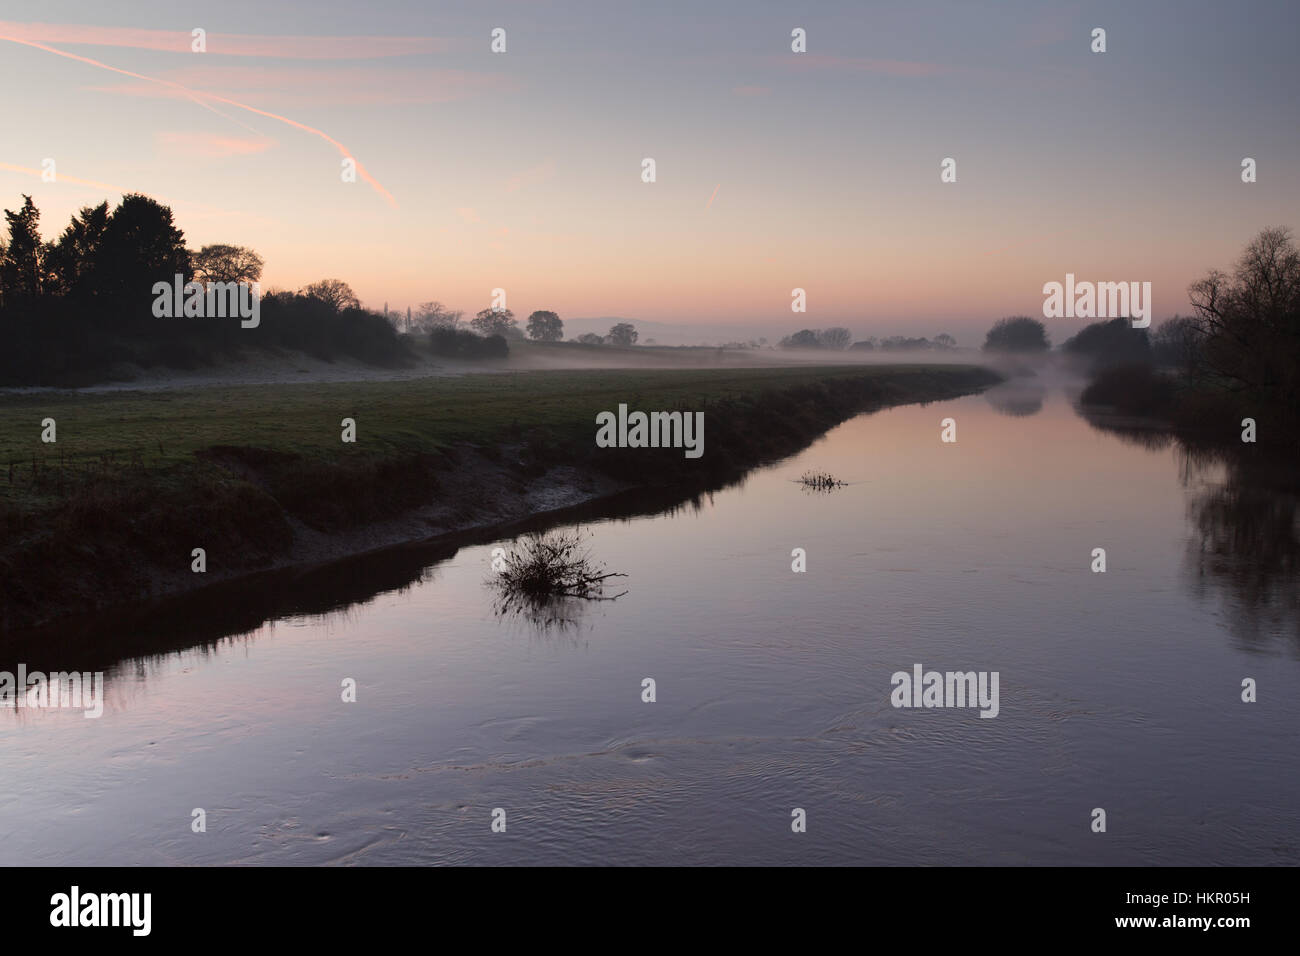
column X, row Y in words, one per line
column 775, row 170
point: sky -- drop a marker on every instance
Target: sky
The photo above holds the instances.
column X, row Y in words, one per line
column 775, row 170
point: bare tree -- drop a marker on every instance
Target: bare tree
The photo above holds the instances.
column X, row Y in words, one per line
column 836, row 338
column 1250, row 321
column 225, row 263
column 335, row 293
column 435, row 315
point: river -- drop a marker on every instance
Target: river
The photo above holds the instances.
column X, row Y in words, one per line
column 1119, row 690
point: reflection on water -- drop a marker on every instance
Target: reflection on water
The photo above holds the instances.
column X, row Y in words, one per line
column 1244, row 515
column 1119, row 690
column 1017, row 398
column 1247, row 546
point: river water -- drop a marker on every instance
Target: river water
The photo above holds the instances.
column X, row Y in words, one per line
column 1119, row 690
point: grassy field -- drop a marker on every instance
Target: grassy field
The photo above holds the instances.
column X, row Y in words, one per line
column 136, row 478
column 159, row 429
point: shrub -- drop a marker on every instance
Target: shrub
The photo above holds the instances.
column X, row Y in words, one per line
column 462, row 344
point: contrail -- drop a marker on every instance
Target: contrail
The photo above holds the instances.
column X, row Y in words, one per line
column 714, row 196
column 195, row 96
column 10, row 167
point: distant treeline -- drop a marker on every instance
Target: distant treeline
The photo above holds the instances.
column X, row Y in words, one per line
column 1236, row 357
column 838, row 338
column 73, row 309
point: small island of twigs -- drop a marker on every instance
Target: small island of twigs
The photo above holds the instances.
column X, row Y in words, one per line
column 544, row 569
column 820, row 481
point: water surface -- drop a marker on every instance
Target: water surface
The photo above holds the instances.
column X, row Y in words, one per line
column 1118, row 690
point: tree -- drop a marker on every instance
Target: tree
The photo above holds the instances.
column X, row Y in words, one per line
column 1177, row 343
column 21, row 270
column 1018, row 333
column 904, row 343
column 494, row 322
column 70, row 261
column 335, row 293
column 803, row 339
column 462, row 343
column 1249, row 322
column 591, row 338
column 1110, row 343
column 624, row 334
column 435, row 315
column 545, row 327
column 224, row 263
column 944, row 341
column 836, row 338
column 139, row 247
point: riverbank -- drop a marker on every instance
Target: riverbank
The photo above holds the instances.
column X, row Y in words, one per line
column 259, row 477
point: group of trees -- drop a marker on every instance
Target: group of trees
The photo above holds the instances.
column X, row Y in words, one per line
column 451, row 342
column 622, row 334
column 902, row 343
column 73, row 307
column 1245, row 331
column 110, row 257
column 1018, row 333
column 500, row 324
column 542, row 325
column 838, row 338
column 835, row 338
column 1109, row 343
column 1239, row 349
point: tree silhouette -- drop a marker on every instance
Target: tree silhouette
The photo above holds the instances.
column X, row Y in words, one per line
column 435, row 315
column 1109, row 343
column 335, row 293
column 1250, row 322
column 803, row 339
column 494, row 322
column 836, row 338
column 21, row 270
column 223, row 263
column 1177, row 343
column 1018, row 333
column 139, row 247
column 545, row 327
column 71, row 260
column 624, row 333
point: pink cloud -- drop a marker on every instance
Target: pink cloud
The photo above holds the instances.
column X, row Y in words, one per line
column 354, row 86
column 468, row 213
column 210, row 145
column 229, row 44
column 204, row 99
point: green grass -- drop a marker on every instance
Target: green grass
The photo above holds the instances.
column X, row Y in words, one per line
column 163, row 428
